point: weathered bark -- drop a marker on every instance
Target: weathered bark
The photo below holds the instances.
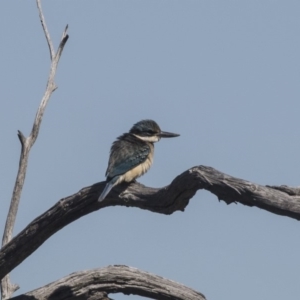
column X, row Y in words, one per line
column 7, row 288
column 98, row 283
column 165, row 200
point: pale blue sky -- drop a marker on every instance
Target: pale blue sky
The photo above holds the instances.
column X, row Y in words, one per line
column 223, row 74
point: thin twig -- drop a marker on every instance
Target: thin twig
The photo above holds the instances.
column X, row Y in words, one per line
column 21, row 138
column 47, row 35
column 7, row 288
column 63, row 41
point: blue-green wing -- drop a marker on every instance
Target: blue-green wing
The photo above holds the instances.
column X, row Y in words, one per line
column 124, row 156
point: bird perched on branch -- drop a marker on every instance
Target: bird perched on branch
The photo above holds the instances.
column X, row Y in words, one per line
column 131, row 155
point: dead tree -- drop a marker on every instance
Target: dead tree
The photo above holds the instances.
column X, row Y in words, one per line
column 99, row 283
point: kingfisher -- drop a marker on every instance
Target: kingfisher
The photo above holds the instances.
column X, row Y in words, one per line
column 131, row 155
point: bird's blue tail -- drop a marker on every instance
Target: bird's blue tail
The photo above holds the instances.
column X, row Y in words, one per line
column 106, row 190
column 108, row 187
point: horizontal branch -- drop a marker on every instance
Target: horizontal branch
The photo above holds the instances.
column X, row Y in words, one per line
column 97, row 283
column 167, row 200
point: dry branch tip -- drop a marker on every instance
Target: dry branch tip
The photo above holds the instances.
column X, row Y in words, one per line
column 21, row 138
column 65, row 31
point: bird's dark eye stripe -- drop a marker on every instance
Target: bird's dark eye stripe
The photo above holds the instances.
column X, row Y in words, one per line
column 149, row 133
column 146, row 133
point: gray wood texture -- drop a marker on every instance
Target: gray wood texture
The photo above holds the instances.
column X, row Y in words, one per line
column 97, row 283
column 174, row 197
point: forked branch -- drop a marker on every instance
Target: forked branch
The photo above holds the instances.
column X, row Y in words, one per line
column 7, row 288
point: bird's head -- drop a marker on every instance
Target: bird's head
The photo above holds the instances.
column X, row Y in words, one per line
column 149, row 131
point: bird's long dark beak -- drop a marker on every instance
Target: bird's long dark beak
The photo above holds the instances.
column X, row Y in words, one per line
column 165, row 134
